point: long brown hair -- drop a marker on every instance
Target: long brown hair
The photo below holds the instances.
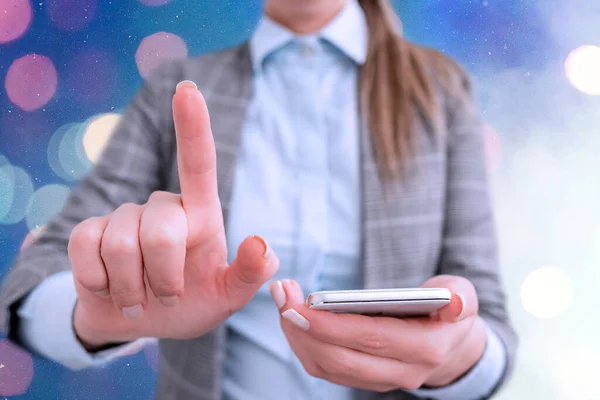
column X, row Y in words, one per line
column 395, row 88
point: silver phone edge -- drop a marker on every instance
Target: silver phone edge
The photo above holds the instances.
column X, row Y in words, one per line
column 434, row 294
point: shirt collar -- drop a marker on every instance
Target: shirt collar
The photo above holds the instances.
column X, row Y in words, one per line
column 347, row 31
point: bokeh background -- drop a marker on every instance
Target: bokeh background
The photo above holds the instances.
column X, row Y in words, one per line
column 69, row 67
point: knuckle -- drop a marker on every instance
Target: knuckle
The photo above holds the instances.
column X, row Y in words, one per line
column 129, row 207
column 384, row 388
column 339, row 366
column 413, row 384
column 91, row 280
column 315, row 370
column 85, row 234
column 155, row 195
column 344, row 367
column 433, row 355
column 119, row 245
column 373, row 342
column 434, row 351
column 162, row 237
column 413, row 381
column 160, row 195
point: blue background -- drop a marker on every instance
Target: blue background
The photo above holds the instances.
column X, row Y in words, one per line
column 488, row 38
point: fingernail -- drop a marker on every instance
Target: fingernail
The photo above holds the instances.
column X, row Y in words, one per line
column 103, row 293
column 295, row 318
column 434, row 315
column 463, row 305
column 133, row 313
column 278, row 294
column 265, row 244
column 186, row 84
column 168, row 301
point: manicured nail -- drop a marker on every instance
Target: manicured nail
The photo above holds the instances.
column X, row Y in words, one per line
column 103, row 293
column 278, row 294
column 186, row 84
column 295, row 318
column 133, row 313
column 168, row 301
column 265, row 244
column 463, row 305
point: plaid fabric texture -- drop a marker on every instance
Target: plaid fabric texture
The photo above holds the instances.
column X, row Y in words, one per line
column 436, row 219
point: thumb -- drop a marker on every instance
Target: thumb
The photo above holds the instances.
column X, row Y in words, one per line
column 464, row 302
column 256, row 262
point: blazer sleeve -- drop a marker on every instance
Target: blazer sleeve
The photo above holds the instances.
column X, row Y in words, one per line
column 132, row 166
column 469, row 245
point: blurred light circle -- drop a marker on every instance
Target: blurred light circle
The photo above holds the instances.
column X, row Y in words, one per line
column 154, row 3
column 47, row 202
column 15, row 195
column 547, row 292
column 493, row 148
column 32, row 236
column 16, row 369
column 152, row 354
column 158, row 48
column 71, row 154
column 71, row 15
column 582, row 69
column 31, row 82
column 92, row 76
column 97, row 134
column 66, row 155
column 15, row 18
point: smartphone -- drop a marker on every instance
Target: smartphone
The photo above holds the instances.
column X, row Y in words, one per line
column 400, row 303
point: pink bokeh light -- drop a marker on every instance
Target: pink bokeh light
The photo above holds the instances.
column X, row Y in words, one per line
column 15, row 18
column 154, row 3
column 157, row 48
column 16, row 369
column 71, row 15
column 31, row 82
column 493, row 148
column 92, row 76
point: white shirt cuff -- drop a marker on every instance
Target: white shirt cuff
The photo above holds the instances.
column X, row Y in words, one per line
column 481, row 381
column 46, row 326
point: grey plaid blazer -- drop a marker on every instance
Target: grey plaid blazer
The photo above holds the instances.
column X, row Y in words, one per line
column 436, row 219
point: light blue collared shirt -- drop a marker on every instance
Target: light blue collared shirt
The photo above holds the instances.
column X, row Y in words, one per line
column 297, row 183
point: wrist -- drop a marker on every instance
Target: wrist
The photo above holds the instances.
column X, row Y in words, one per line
column 463, row 359
column 89, row 337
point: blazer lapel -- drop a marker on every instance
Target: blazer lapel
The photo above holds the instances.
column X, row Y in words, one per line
column 227, row 94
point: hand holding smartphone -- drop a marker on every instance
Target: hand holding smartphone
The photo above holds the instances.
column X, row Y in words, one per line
column 400, row 303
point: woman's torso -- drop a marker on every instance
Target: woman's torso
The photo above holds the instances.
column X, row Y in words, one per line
column 400, row 225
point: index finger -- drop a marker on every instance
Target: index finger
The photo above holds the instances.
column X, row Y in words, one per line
column 196, row 156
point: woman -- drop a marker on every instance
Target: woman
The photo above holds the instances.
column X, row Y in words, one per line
column 357, row 154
